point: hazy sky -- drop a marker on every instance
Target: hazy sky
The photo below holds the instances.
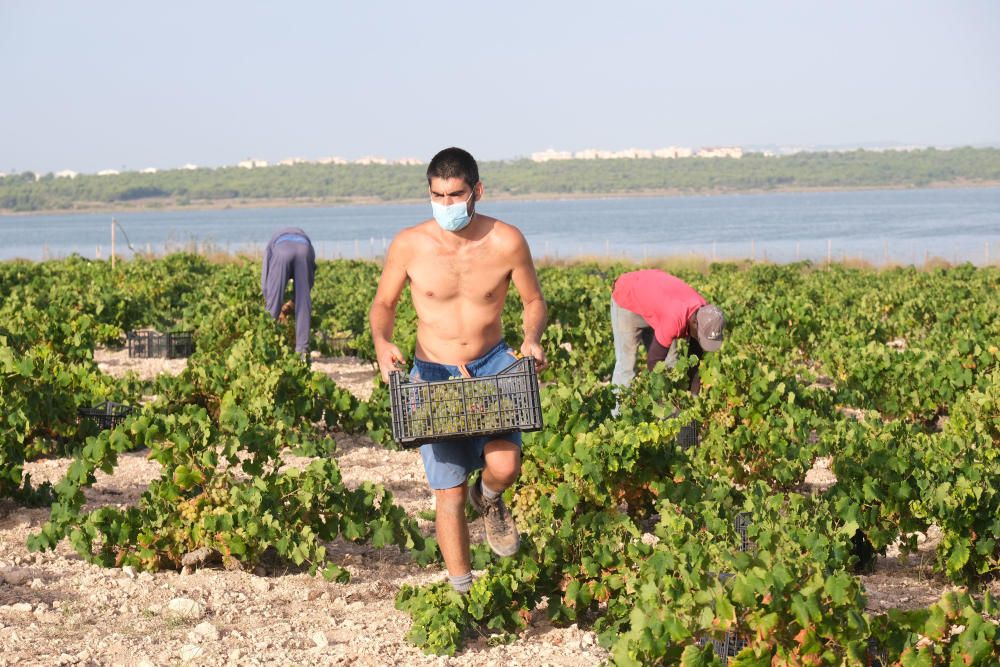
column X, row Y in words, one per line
column 96, row 85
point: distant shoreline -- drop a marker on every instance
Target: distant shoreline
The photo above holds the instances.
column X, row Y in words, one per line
column 314, row 202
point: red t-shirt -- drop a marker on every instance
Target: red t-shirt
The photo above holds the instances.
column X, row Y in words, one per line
column 661, row 299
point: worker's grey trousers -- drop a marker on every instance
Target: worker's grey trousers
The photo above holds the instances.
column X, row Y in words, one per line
column 291, row 261
column 627, row 330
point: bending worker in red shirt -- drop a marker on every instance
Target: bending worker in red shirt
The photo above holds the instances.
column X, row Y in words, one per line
column 658, row 308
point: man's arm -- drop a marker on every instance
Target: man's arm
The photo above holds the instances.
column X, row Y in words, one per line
column 693, row 375
column 382, row 315
column 526, row 282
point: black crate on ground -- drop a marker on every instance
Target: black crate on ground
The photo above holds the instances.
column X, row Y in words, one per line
column 180, row 344
column 153, row 344
column 106, row 415
column 688, row 436
column 728, row 647
column 449, row 409
column 338, row 343
column 143, row 344
column 741, row 523
column 731, row 643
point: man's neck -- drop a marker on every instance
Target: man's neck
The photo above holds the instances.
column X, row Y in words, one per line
column 471, row 233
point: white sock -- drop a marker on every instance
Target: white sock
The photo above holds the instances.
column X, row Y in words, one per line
column 488, row 493
column 461, row 583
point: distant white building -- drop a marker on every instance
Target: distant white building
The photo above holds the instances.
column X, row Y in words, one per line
column 148, row 170
column 673, row 152
column 550, row 154
column 252, row 164
column 108, row 172
column 626, row 154
column 641, row 153
column 721, row 151
column 66, row 173
column 371, row 159
column 331, row 160
column 292, row 161
column 410, row 161
column 586, row 154
column 188, row 167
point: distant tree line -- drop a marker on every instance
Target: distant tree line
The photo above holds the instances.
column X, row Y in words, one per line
column 25, row 192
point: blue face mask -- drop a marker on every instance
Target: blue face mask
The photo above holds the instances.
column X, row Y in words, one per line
column 452, row 218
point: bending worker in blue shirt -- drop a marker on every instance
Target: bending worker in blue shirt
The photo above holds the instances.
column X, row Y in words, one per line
column 290, row 255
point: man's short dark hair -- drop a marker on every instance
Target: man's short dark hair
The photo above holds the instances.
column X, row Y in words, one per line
column 454, row 163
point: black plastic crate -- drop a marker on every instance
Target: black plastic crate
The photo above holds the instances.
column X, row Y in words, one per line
column 450, row 409
column 106, row 415
column 728, row 647
column 143, row 344
column 338, row 343
column 741, row 523
column 688, row 435
column 153, row 344
column 731, row 643
column 180, row 344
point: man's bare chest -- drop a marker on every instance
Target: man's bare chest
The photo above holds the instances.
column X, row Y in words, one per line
column 443, row 277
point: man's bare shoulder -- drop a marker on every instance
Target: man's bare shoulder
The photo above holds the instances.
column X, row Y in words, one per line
column 506, row 235
column 421, row 229
column 419, row 233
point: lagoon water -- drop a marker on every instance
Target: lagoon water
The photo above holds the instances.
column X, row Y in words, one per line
column 898, row 226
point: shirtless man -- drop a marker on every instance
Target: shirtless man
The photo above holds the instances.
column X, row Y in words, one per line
column 459, row 265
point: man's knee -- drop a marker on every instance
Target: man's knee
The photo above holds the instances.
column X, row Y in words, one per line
column 451, row 501
column 503, row 460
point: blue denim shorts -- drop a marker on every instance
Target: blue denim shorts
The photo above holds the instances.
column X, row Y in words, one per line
column 449, row 463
